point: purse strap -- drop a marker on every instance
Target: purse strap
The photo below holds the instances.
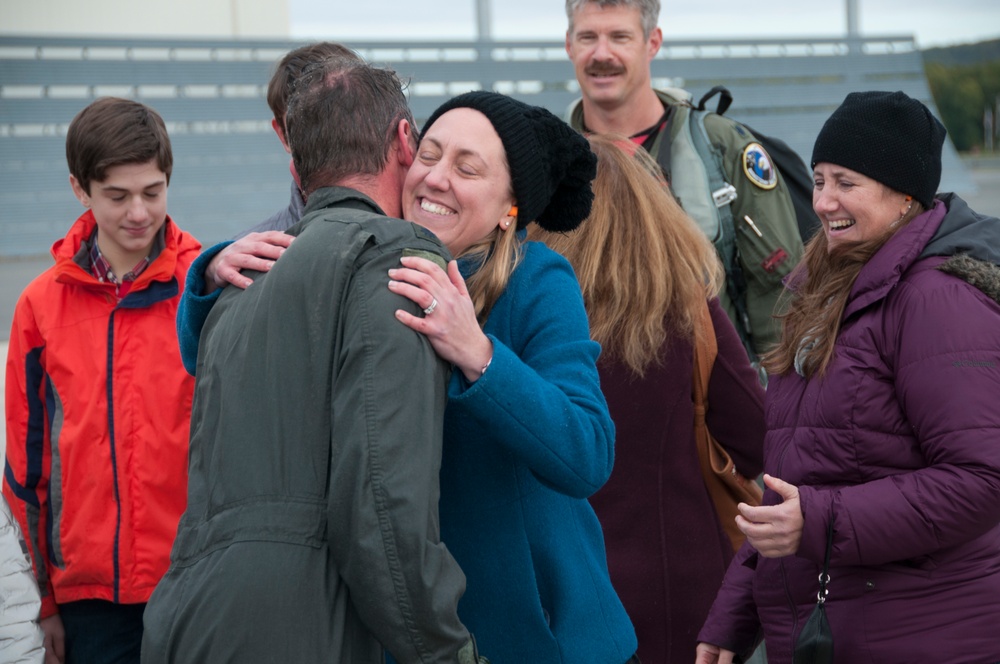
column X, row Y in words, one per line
column 706, row 349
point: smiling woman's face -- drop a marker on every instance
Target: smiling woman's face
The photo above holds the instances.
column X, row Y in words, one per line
column 853, row 207
column 459, row 186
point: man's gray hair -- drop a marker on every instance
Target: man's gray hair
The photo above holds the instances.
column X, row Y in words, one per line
column 649, row 11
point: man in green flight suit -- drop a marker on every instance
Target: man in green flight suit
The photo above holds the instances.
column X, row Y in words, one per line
column 611, row 44
column 311, row 532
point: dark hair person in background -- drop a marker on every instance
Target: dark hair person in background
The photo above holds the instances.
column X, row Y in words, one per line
column 286, row 74
column 257, row 247
column 882, row 415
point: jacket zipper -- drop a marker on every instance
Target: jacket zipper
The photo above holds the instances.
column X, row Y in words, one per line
column 109, row 386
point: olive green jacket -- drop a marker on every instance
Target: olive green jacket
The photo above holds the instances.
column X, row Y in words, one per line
column 771, row 211
column 311, row 532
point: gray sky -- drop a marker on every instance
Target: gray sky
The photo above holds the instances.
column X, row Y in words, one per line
column 932, row 22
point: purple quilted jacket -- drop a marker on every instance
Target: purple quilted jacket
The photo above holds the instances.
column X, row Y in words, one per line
column 899, row 445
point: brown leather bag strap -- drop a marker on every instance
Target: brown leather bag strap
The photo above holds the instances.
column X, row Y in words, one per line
column 726, row 487
column 706, row 348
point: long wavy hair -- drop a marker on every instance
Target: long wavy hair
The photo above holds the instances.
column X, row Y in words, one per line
column 820, row 286
column 644, row 267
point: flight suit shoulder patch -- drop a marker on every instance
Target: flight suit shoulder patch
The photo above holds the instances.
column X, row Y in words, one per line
column 758, row 167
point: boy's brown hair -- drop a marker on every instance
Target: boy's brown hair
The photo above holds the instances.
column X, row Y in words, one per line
column 112, row 132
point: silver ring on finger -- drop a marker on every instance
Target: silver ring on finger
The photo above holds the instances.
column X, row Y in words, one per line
column 431, row 307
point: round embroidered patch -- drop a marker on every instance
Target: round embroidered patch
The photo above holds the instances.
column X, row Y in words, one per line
column 758, row 167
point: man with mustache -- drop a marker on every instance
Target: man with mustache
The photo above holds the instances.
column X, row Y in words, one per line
column 611, row 44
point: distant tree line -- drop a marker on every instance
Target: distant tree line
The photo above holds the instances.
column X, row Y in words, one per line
column 965, row 81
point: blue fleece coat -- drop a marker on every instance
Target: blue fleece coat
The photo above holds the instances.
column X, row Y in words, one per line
column 524, row 447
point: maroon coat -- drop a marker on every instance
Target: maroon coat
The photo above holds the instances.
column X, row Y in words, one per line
column 666, row 551
column 898, row 445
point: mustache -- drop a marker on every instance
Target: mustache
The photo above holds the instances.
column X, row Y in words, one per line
column 604, row 69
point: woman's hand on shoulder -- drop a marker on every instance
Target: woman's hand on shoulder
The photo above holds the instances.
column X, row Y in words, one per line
column 706, row 653
column 774, row 530
column 449, row 319
column 255, row 251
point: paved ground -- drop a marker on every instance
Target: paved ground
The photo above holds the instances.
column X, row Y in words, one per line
column 16, row 273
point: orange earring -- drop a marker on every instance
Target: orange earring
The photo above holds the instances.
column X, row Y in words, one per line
column 909, row 206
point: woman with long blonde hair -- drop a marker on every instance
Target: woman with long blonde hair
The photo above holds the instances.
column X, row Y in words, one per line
column 646, row 272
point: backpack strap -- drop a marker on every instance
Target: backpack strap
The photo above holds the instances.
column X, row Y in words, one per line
column 689, row 172
column 698, row 182
column 663, row 155
column 725, row 99
column 724, row 193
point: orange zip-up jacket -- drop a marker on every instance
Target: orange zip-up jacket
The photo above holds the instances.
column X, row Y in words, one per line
column 98, row 406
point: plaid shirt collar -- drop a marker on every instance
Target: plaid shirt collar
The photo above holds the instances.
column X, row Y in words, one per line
column 100, row 268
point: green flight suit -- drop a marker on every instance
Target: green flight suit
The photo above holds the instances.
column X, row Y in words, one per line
column 311, row 532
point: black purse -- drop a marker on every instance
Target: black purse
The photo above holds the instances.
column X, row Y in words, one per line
column 815, row 642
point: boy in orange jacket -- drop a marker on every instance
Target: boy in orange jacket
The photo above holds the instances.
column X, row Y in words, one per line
column 98, row 402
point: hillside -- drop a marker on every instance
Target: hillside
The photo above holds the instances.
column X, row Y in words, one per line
column 965, row 83
column 964, row 54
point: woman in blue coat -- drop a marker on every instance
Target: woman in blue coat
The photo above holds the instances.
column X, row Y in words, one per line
column 528, row 436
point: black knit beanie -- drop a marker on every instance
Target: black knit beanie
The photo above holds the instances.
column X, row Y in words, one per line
column 551, row 165
column 889, row 137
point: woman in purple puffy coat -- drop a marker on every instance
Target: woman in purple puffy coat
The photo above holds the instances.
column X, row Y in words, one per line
column 882, row 415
